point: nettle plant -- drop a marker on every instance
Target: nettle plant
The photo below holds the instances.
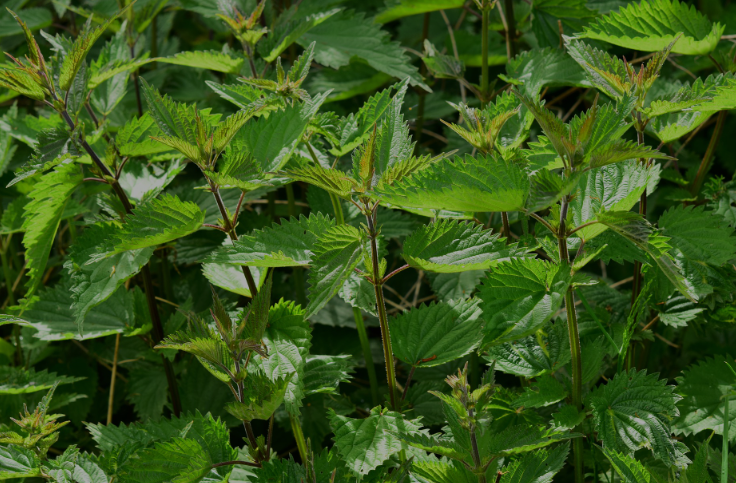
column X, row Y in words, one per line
column 249, row 336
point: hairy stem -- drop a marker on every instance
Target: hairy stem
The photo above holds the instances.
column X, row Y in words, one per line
column 506, row 227
column 508, row 10
column 113, row 378
column 6, row 270
column 388, row 353
column 230, row 228
column 574, row 336
column 484, row 56
column 419, row 124
column 158, row 329
column 705, row 164
column 359, row 324
column 301, row 444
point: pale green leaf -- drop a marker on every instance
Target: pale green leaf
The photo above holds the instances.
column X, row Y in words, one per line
column 430, row 335
column 403, row 8
column 206, row 59
column 519, row 296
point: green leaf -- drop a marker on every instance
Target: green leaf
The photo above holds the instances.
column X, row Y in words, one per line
column 95, row 280
column 605, row 72
column 365, row 444
column 349, row 34
column 134, row 138
column 336, row 254
column 231, row 277
column 272, row 139
column 262, row 398
column 430, row 335
column 176, row 120
column 535, row 355
column 404, row 8
column 33, row 18
column 51, row 314
column 242, row 95
column 539, row 68
column 700, row 236
column 74, row 59
column 627, row 467
column 652, row 25
column 637, row 230
column 331, row 180
column 480, row 184
column 541, row 393
column 206, row 59
column 449, row 246
column 176, row 461
column 16, row 380
column 288, row 244
column 323, row 374
column 442, row 472
column 286, row 33
column 550, row 17
column 610, row 188
column 634, row 410
column 704, row 387
column 288, row 339
column 42, row 217
column 536, row 467
column 159, row 221
column 18, row 462
column 520, row 296
column 148, row 391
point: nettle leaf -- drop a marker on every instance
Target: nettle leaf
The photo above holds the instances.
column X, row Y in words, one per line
column 288, row 339
column 95, row 282
column 536, row 69
column 541, row 393
column 262, row 397
column 331, row 180
column 288, row 244
column 449, row 246
column 74, row 59
column 231, row 277
column 637, row 230
column 17, row 380
column 536, row 467
column 365, row 444
column 704, row 387
column 701, row 236
column 442, row 472
column 552, row 16
column 323, row 374
column 336, row 254
column 611, row 188
column 534, row 355
column 634, row 410
column 134, row 138
column 349, row 34
column 206, row 59
column 287, row 32
column 242, row 95
column 430, row 335
column 652, row 25
column 480, row 184
column 354, row 129
column 18, row 462
column 159, row 221
column 627, row 467
column 42, row 217
column 605, row 72
column 405, row 8
column 521, row 295
column 178, row 460
column 272, row 139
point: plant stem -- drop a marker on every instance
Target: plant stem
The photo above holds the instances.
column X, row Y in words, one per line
column 301, row 444
column 508, row 10
column 484, row 56
column 573, row 334
column 422, row 93
column 114, row 376
column 158, row 329
column 388, row 353
column 724, row 448
column 365, row 346
column 506, row 227
column 230, row 228
column 705, row 164
column 137, row 84
column 359, row 324
column 6, row 270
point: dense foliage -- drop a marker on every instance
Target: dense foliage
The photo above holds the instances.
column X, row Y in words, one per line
column 334, row 240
